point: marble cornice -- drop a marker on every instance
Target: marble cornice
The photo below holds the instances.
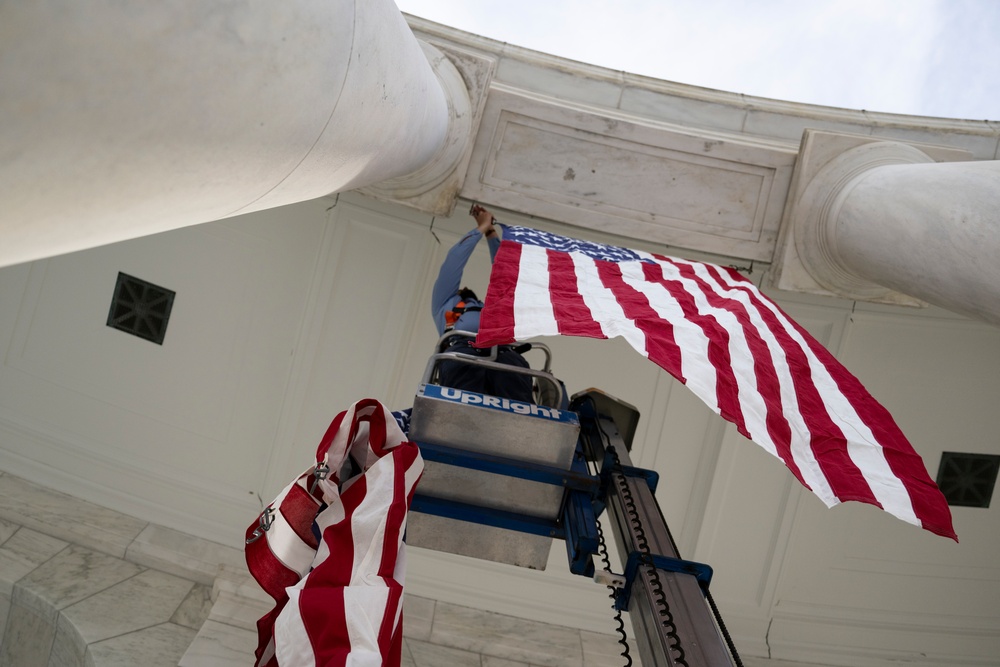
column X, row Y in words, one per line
column 437, row 33
column 690, row 168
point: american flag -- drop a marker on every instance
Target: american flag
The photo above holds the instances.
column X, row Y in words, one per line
column 329, row 549
column 713, row 330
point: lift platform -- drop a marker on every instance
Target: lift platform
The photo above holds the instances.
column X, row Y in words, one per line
column 451, row 424
column 502, row 479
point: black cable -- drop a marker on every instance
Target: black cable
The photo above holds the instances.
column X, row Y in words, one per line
column 645, row 556
column 602, row 548
column 668, row 622
column 722, row 628
column 646, row 560
column 620, row 629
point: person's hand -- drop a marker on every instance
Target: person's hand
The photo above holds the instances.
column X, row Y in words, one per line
column 484, row 219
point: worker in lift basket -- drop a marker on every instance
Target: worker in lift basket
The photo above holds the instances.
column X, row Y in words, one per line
column 457, row 308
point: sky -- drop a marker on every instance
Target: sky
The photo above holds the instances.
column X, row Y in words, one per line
column 921, row 57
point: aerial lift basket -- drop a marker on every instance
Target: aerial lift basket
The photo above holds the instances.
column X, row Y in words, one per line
column 508, row 432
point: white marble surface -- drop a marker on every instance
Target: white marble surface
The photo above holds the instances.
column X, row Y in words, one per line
column 418, row 617
column 195, row 143
column 25, row 550
column 220, row 645
column 68, row 650
column 423, row 654
column 490, row 661
column 74, row 574
column 159, row 646
column 28, row 638
column 605, row 651
column 238, row 611
column 434, row 188
column 182, row 554
column 66, row 517
column 67, row 605
column 237, row 580
column 718, row 193
column 195, row 608
column 7, row 529
column 830, row 164
column 147, row 599
column 4, row 614
column 506, row 636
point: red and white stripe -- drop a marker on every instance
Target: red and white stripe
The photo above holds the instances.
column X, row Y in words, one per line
column 339, row 599
column 737, row 351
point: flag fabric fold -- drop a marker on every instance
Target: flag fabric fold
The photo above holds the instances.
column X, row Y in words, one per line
column 329, row 549
column 713, row 330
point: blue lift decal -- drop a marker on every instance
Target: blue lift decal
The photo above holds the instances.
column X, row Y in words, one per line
column 496, row 403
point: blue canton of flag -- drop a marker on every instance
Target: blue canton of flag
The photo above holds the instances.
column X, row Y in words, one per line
column 536, row 237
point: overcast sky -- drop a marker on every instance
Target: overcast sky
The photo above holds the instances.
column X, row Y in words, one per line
column 923, row 57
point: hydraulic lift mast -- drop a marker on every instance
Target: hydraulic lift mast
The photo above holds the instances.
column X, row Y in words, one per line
column 502, row 479
column 673, row 619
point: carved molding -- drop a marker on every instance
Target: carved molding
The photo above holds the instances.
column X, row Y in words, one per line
column 629, row 176
column 434, row 188
column 819, row 209
column 828, row 166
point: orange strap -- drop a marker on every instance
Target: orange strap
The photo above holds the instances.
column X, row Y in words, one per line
column 451, row 316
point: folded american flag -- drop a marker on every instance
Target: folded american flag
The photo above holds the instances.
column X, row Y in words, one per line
column 732, row 346
column 329, row 549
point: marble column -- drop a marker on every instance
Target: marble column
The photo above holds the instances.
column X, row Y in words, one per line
column 885, row 216
column 121, row 121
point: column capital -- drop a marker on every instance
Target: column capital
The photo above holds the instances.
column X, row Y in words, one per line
column 434, row 187
column 830, row 165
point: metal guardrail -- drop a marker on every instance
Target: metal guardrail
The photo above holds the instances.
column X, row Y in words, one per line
column 552, row 399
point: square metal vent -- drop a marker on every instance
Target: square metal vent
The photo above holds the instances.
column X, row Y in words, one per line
column 967, row 480
column 140, row 308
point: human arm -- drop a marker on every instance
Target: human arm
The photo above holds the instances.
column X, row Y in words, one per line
column 485, row 223
column 444, row 296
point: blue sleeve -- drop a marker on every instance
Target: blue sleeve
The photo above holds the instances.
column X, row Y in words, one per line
column 493, row 241
column 445, row 293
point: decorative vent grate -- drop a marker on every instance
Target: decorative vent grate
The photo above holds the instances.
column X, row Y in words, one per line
column 967, row 480
column 140, row 308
